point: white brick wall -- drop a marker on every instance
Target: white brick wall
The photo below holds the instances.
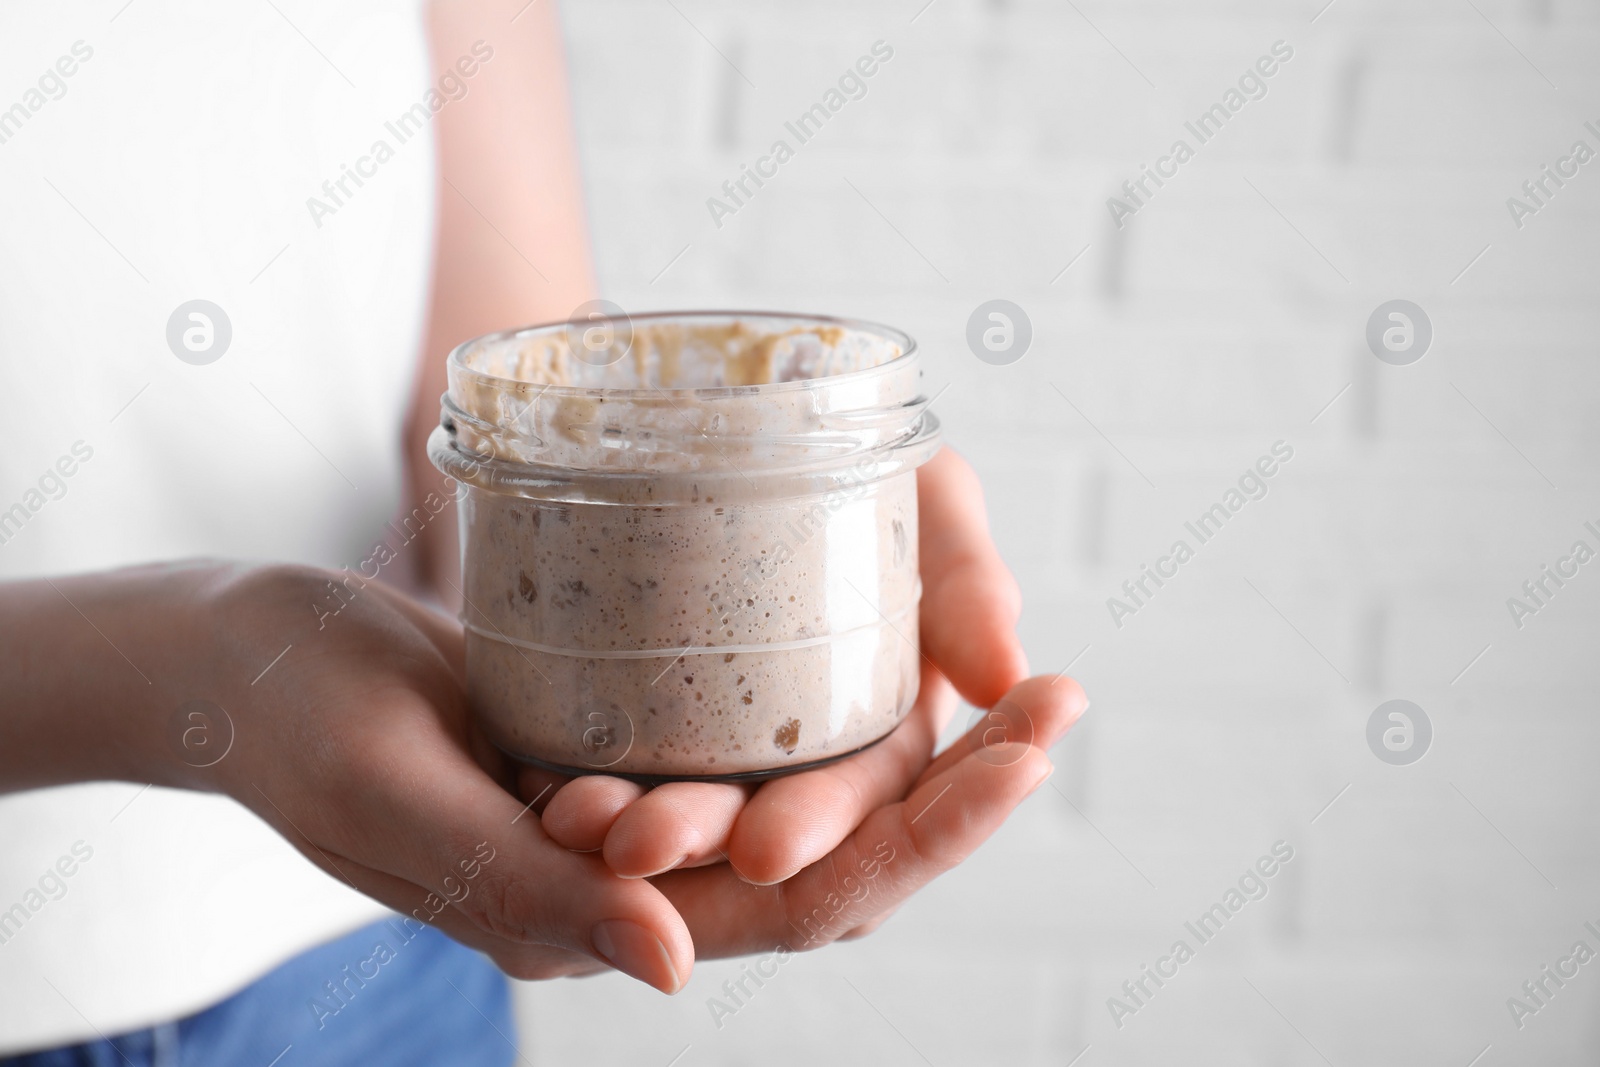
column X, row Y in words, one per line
column 1203, row 332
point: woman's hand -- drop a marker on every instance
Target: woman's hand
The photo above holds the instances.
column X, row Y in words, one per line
column 949, row 810
column 968, row 616
column 333, row 708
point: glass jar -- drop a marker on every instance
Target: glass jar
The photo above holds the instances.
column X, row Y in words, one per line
column 689, row 540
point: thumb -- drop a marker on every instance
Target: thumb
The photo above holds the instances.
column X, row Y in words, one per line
column 970, row 602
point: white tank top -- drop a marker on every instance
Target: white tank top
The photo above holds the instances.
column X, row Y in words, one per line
column 165, row 153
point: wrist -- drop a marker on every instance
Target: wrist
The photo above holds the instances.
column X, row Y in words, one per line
column 101, row 665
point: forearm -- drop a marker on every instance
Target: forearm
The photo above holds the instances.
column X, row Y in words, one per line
column 512, row 246
column 93, row 667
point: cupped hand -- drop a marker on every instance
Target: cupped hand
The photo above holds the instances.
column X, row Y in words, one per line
column 357, row 748
column 950, row 808
column 766, row 834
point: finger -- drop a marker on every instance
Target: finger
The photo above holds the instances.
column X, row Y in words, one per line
column 869, row 927
column 896, row 851
column 1037, row 711
column 903, row 847
column 518, row 960
column 793, row 822
column 970, row 602
column 427, row 814
column 678, row 824
column 581, row 813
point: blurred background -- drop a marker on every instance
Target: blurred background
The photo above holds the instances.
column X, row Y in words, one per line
column 1229, row 312
column 1173, row 341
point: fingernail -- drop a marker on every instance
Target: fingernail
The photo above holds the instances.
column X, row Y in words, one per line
column 749, row 880
column 762, row 885
column 663, row 870
column 636, row 952
column 1043, row 778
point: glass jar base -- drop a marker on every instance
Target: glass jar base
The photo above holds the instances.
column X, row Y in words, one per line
column 662, row 779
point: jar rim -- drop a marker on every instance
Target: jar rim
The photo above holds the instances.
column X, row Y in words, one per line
column 458, row 358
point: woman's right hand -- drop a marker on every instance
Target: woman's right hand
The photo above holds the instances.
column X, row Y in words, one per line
column 354, row 744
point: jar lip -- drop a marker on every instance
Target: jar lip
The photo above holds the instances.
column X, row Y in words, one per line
column 907, row 343
column 555, row 482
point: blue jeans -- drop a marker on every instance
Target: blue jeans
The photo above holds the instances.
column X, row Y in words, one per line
column 395, row 992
